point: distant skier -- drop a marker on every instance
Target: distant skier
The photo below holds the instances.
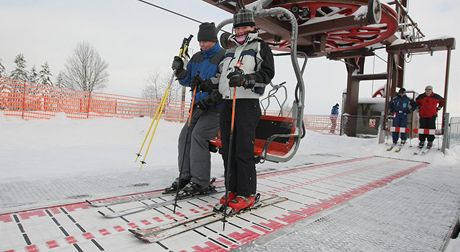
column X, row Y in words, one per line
column 401, row 106
column 249, row 67
column 194, row 157
column 429, row 103
column 334, row 115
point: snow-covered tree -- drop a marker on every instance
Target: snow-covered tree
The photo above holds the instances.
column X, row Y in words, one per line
column 33, row 75
column 45, row 75
column 59, row 83
column 20, row 72
column 85, row 70
column 2, row 69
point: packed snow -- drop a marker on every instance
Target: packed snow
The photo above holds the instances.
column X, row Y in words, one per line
column 45, row 162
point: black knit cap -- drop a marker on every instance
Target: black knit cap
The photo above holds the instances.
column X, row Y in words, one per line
column 207, row 32
column 243, row 17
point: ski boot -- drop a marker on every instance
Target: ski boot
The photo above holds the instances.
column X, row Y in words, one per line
column 219, row 207
column 192, row 189
column 421, row 144
column 175, row 186
column 403, row 142
column 429, row 145
column 240, row 203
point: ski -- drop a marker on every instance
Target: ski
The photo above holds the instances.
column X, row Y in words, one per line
column 131, row 198
column 147, row 231
column 122, row 199
column 146, row 207
column 391, row 147
column 419, row 151
column 164, row 232
column 425, row 151
column 399, row 147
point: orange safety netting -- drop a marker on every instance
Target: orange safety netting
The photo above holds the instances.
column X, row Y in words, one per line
column 36, row 101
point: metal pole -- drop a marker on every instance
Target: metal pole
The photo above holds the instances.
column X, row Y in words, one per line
column 445, row 139
column 446, row 83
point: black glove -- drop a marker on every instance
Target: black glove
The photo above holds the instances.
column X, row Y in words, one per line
column 238, row 79
column 203, row 85
column 196, row 82
column 177, row 64
column 214, row 98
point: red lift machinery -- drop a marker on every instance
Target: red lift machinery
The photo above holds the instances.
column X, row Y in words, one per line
column 347, row 30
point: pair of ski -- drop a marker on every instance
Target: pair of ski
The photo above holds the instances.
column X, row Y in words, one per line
column 212, row 190
column 158, row 233
column 422, row 151
column 148, row 206
column 397, row 148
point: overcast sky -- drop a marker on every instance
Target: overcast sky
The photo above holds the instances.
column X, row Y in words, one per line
column 136, row 39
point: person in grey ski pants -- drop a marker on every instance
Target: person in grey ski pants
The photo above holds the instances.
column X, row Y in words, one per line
column 201, row 75
column 196, row 166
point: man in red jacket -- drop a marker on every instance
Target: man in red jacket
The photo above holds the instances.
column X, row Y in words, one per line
column 428, row 103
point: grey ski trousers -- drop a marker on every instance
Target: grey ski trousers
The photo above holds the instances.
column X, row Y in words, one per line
column 195, row 140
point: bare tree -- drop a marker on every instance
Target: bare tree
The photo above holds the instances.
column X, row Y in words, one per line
column 156, row 87
column 85, row 70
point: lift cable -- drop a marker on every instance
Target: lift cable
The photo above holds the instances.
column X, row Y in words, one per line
column 170, row 11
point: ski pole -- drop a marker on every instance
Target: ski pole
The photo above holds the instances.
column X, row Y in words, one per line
column 183, row 53
column 189, row 122
column 158, row 110
column 229, row 157
column 157, row 121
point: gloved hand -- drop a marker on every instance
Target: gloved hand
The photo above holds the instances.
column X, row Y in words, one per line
column 214, row 98
column 238, row 79
column 196, row 82
column 208, row 86
column 177, row 64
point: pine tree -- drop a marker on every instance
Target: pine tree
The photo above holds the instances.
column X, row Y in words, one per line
column 60, row 81
column 2, row 70
column 20, row 73
column 33, row 76
column 45, row 75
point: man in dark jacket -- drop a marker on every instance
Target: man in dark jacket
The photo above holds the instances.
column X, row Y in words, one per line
column 428, row 103
column 401, row 106
column 194, row 157
column 333, row 117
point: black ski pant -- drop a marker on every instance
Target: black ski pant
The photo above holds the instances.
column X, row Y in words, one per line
column 427, row 123
column 242, row 170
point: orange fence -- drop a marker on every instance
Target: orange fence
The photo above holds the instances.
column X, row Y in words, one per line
column 35, row 101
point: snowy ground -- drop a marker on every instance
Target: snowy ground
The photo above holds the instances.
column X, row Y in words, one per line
column 46, row 162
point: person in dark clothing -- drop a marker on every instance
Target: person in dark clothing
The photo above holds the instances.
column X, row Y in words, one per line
column 333, row 117
column 249, row 67
column 429, row 103
column 401, row 106
column 194, row 157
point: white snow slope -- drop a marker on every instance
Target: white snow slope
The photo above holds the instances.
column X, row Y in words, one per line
column 44, row 162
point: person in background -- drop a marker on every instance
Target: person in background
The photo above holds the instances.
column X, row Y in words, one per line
column 401, row 106
column 333, row 117
column 249, row 67
column 429, row 103
column 194, row 158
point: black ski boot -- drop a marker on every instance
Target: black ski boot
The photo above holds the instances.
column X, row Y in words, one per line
column 429, row 145
column 178, row 184
column 192, row 189
column 421, row 144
